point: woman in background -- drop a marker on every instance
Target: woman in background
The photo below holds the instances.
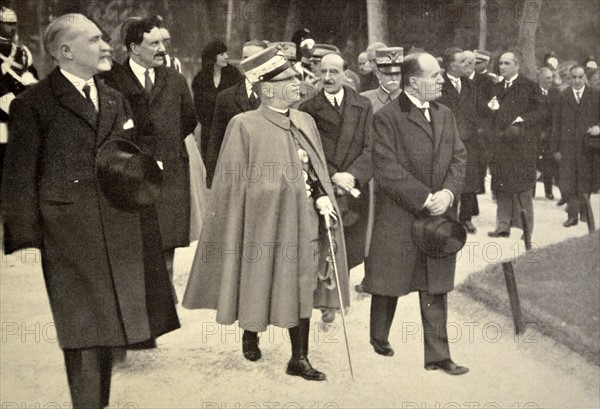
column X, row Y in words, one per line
column 216, row 75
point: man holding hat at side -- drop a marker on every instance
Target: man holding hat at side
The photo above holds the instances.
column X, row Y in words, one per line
column 68, row 149
column 270, row 196
column 418, row 161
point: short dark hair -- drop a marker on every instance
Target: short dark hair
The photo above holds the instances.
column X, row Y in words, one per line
column 449, row 54
column 135, row 31
column 411, row 67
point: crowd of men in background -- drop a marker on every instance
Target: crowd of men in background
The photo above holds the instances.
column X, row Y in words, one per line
column 409, row 134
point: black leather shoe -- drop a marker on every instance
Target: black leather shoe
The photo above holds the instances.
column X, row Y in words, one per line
column 583, row 218
column 251, row 350
column 470, row 227
column 301, row 367
column 561, row 201
column 447, row 366
column 571, row 222
column 359, row 288
column 497, row 233
column 549, row 196
column 382, row 347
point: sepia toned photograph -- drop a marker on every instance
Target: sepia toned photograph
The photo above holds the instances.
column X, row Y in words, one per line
column 281, row 204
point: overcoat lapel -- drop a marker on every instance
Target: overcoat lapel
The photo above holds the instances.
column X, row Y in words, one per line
column 352, row 113
column 71, row 99
column 160, row 79
column 108, row 111
column 241, row 98
column 416, row 116
column 437, row 123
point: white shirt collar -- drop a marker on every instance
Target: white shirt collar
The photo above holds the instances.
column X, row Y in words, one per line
column 339, row 96
column 140, row 72
column 249, row 87
column 281, row 111
column 78, row 82
column 417, row 102
column 575, row 91
column 472, row 75
column 139, row 69
column 453, row 78
column 510, row 81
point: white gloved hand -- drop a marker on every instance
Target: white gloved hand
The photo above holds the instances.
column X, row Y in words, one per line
column 326, row 208
column 594, row 130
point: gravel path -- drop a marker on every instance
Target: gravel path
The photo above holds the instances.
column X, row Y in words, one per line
column 201, row 365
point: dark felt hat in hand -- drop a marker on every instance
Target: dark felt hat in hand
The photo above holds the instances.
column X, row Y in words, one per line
column 438, row 236
column 128, row 177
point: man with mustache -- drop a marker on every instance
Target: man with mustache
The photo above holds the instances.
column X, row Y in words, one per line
column 163, row 109
column 344, row 120
column 418, row 161
column 388, row 73
column 107, row 289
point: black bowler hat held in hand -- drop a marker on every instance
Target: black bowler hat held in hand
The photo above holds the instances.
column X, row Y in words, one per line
column 128, row 177
column 438, row 236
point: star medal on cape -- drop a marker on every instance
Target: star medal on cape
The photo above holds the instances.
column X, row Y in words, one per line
column 303, row 155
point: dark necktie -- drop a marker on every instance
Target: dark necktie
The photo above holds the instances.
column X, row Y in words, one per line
column 253, row 100
column 148, row 85
column 335, row 104
column 507, row 84
column 425, row 112
column 578, row 96
column 88, row 96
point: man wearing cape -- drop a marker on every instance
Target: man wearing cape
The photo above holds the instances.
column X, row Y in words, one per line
column 262, row 258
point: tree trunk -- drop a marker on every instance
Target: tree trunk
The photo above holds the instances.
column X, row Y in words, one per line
column 377, row 20
column 292, row 22
column 482, row 24
column 528, row 24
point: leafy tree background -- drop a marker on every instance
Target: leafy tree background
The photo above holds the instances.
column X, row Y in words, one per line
column 568, row 27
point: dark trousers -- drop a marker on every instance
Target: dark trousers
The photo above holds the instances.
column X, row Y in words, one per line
column 469, row 206
column 434, row 315
column 169, row 260
column 576, row 206
column 88, row 372
column 509, row 208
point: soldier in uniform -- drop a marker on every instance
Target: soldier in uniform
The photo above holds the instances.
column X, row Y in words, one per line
column 17, row 71
column 388, row 62
column 278, row 290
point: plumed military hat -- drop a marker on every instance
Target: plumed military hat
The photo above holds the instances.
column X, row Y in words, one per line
column 128, row 177
column 7, row 15
column 289, row 50
column 320, row 50
column 438, row 236
column 268, row 65
column 482, row 56
column 389, row 59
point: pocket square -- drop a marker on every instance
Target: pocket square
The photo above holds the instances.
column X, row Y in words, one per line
column 128, row 124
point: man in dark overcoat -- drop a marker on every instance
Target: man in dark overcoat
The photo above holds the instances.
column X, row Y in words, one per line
column 345, row 121
column 516, row 110
column 234, row 100
column 418, row 161
column 547, row 163
column 461, row 96
column 103, row 291
column 576, row 114
column 164, row 111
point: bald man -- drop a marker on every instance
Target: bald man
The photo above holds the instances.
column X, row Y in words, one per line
column 107, row 287
column 344, row 120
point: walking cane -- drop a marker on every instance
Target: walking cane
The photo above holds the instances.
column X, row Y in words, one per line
column 339, row 289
